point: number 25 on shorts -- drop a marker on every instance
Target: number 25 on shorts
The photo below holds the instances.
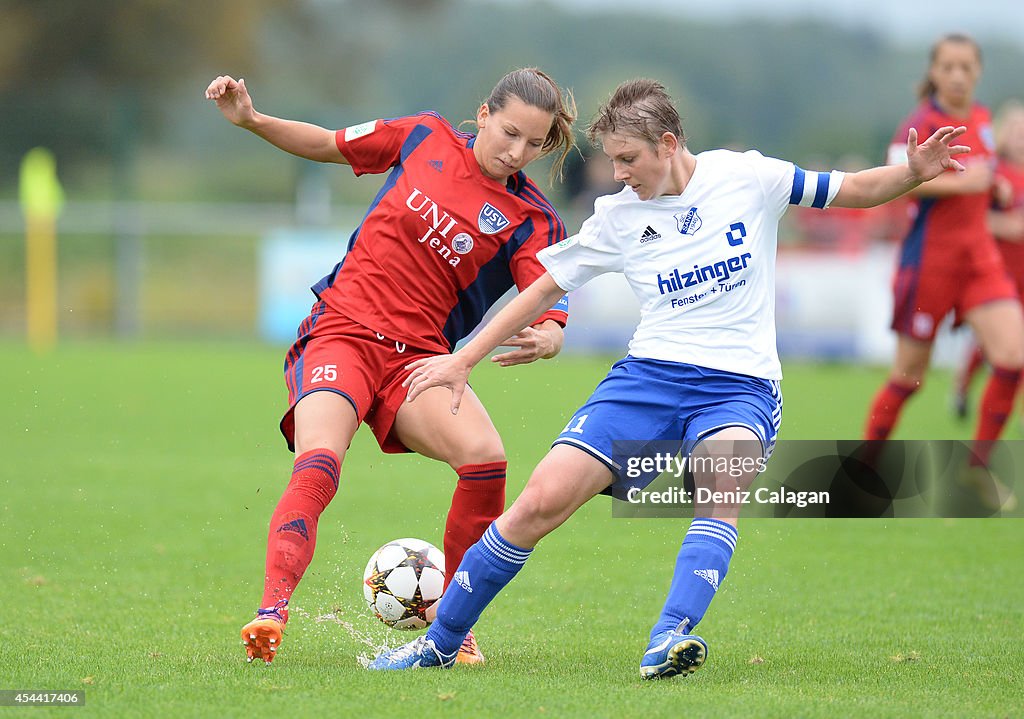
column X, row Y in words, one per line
column 324, row 373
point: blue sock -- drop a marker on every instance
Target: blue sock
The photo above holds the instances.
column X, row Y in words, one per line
column 700, row 569
column 486, row 568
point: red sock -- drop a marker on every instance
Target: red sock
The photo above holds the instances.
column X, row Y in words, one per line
column 293, row 526
column 885, row 410
column 996, row 405
column 479, row 499
column 974, row 361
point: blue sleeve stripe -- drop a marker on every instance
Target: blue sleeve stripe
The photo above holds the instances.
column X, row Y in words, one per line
column 530, row 185
column 821, row 193
column 532, row 200
column 556, row 229
column 535, row 193
column 414, row 140
column 798, row 186
column 810, row 189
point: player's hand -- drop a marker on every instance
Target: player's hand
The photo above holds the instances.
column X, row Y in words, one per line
column 936, row 154
column 441, row 371
column 533, row 344
column 232, row 99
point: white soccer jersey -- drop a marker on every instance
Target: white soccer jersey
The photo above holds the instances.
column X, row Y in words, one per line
column 701, row 263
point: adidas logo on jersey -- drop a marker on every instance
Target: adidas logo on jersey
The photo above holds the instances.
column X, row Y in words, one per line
column 436, row 164
column 649, row 235
column 708, row 575
column 462, row 579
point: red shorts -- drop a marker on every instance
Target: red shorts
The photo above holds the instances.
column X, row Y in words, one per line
column 336, row 354
column 922, row 298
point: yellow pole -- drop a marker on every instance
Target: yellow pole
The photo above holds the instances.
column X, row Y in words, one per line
column 41, row 199
column 41, row 281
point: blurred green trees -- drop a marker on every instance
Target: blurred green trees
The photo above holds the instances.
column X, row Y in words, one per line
column 88, row 78
column 114, row 87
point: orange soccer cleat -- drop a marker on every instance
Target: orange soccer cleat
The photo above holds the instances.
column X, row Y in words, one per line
column 262, row 636
column 469, row 652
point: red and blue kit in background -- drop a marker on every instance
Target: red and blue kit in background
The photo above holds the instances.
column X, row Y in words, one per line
column 948, row 260
column 1013, row 250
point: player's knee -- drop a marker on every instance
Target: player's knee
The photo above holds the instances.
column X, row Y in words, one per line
column 536, row 512
column 478, row 450
column 324, row 420
column 313, row 441
column 549, row 508
column 911, row 378
column 1009, row 357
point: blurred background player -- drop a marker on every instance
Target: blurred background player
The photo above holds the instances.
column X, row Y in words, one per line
column 702, row 370
column 949, row 262
column 456, row 224
column 1006, row 220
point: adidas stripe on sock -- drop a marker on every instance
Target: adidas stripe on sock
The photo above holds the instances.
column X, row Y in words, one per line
column 486, row 568
column 701, row 566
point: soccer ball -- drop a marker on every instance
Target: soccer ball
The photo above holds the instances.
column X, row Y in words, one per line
column 403, row 581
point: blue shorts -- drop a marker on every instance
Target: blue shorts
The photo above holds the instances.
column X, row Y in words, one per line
column 653, row 402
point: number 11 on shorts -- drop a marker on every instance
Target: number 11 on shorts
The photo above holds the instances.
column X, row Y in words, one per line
column 578, row 429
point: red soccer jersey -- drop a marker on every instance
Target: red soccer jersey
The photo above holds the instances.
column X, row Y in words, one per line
column 1013, row 251
column 950, row 230
column 441, row 242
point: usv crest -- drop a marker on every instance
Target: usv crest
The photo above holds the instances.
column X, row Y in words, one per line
column 491, row 221
column 688, row 222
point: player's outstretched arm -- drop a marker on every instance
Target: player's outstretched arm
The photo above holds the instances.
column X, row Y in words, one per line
column 453, row 370
column 299, row 138
column 926, row 161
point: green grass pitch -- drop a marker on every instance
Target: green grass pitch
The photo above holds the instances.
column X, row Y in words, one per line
column 139, row 479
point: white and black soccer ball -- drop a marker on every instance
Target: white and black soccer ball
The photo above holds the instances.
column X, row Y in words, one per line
column 403, row 581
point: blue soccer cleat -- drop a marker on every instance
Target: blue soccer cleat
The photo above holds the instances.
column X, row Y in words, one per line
column 671, row 653
column 420, row 652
